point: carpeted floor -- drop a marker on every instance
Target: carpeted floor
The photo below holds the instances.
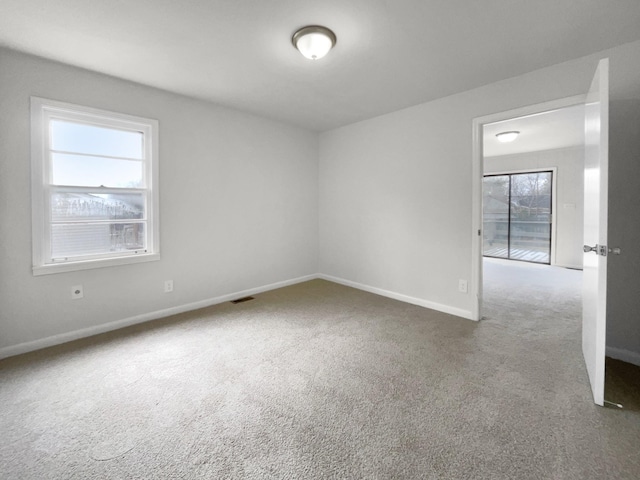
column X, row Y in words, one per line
column 319, row 380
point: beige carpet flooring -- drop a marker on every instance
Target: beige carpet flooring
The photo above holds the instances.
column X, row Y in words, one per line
column 319, row 380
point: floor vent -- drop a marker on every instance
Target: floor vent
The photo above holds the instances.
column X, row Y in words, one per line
column 241, row 300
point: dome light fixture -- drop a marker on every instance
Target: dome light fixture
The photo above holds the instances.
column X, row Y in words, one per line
column 505, row 137
column 314, row 41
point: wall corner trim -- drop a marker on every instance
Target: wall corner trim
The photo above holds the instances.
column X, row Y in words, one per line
column 458, row 312
column 13, row 350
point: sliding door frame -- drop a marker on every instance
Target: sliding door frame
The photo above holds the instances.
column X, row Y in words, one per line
column 554, row 196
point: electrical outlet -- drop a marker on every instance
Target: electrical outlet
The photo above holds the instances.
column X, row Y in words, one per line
column 462, row 286
column 168, row 286
column 77, row 292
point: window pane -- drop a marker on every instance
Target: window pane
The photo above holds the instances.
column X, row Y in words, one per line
column 95, row 171
column 495, row 211
column 96, row 206
column 83, row 138
column 72, row 240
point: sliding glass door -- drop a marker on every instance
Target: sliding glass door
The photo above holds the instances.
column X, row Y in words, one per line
column 517, row 216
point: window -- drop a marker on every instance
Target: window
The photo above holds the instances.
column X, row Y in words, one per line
column 94, row 188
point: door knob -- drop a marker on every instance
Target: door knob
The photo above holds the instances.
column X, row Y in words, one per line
column 588, row 249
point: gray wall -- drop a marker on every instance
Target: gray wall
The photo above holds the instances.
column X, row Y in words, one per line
column 238, row 206
column 244, row 201
column 569, row 180
column 623, row 272
column 395, row 191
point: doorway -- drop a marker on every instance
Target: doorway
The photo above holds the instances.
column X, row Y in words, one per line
column 564, row 250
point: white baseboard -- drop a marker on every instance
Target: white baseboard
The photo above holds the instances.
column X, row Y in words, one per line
column 567, row 265
column 26, row 347
column 398, row 296
column 624, row 355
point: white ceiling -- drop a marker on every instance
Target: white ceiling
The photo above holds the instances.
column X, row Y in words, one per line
column 390, row 54
column 561, row 128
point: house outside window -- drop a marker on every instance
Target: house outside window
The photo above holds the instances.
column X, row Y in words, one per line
column 94, row 188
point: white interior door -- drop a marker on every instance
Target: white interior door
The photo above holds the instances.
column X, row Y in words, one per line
column 594, row 303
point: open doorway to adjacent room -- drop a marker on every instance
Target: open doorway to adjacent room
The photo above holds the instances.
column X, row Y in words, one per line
column 532, row 197
column 528, row 192
column 532, row 217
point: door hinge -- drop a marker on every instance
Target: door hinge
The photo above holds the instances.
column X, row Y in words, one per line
column 479, row 232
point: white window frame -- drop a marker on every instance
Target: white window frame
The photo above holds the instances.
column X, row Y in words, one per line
column 42, row 111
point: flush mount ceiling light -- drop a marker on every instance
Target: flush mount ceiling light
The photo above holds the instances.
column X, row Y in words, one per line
column 505, row 137
column 314, row 41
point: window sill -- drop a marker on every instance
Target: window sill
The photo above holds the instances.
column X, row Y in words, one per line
column 93, row 264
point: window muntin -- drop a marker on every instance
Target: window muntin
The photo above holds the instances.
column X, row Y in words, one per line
column 94, row 187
